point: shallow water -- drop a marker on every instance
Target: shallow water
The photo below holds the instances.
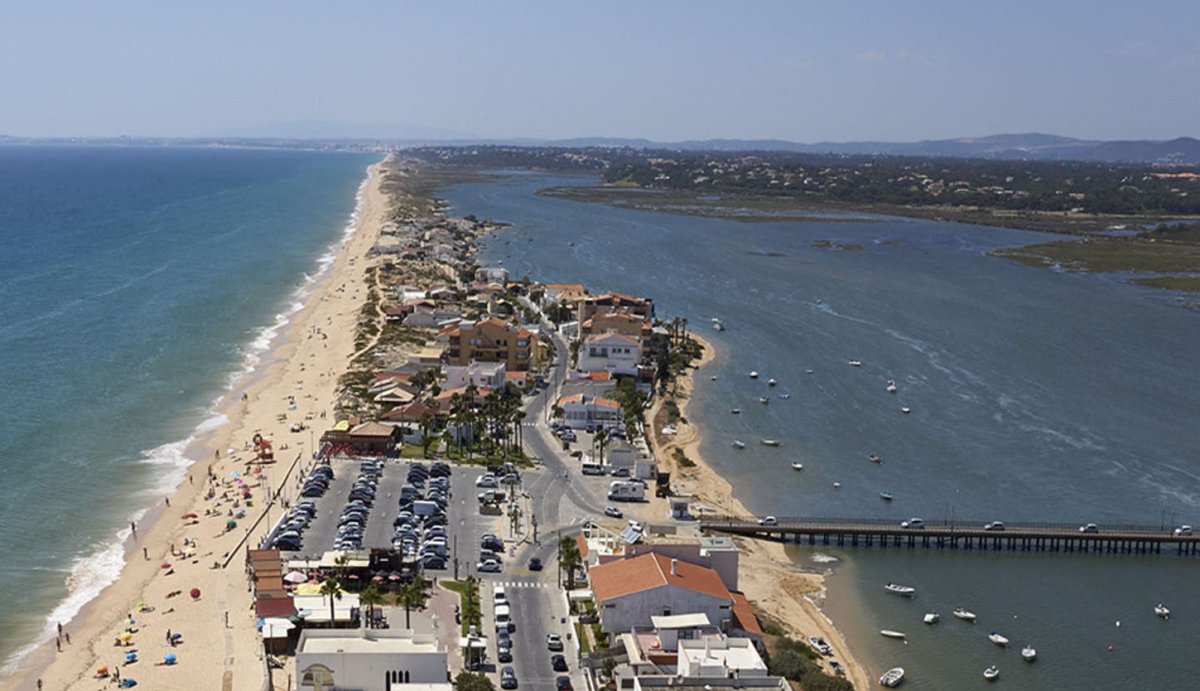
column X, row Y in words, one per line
column 1035, row 395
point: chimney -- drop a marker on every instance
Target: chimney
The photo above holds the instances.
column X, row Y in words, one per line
column 674, row 567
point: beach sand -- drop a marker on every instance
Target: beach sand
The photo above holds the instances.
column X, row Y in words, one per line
column 768, row 577
column 220, row 647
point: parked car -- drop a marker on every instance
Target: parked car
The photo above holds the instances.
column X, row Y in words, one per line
column 613, row 512
column 508, row 678
column 504, row 654
column 488, row 566
column 554, row 642
column 559, row 663
column 562, row 683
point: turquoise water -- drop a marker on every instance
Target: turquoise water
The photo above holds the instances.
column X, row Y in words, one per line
column 1035, row 395
column 136, row 285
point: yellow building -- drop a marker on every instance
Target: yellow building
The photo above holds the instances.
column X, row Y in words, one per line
column 492, row 340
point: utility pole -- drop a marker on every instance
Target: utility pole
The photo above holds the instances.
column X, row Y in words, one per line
column 558, row 545
column 455, row 549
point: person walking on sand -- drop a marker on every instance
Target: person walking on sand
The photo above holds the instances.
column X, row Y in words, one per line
column 133, row 528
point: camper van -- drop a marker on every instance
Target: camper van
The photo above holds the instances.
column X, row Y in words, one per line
column 624, row 490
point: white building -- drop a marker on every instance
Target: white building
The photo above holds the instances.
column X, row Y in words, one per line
column 629, row 592
column 717, row 553
column 632, row 458
column 726, row 657
column 609, row 352
column 481, row 374
column 587, row 412
column 369, row 660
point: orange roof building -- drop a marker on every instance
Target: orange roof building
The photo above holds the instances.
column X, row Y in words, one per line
column 631, row 591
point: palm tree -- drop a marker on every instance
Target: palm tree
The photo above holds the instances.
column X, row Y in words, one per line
column 569, row 558
column 331, row 589
column 413, row 596
column 371, row 597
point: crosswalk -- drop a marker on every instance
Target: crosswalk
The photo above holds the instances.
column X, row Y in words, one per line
column 520, row 584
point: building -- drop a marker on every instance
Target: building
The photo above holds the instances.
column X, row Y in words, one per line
column 623, row 323
column 609, row 303
column 725, row 657
column 717, row 553
column 491, row 340
column 368, row 438
column 630, row 591
column 370, row 660
column 664, row 683
column 586, row 412
column 634, row 459
column 686, row 645
column 610, row 352
column 481, row 374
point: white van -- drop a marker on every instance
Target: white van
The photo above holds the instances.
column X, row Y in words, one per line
column 593, row 469
column 498, row 595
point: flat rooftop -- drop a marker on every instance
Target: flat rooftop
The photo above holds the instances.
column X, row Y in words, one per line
column 358, row 641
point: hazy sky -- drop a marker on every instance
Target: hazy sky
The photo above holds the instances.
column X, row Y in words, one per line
column 804, row 71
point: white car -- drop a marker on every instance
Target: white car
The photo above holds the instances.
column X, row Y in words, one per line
column 554, row 642
column 994, row 525
column 768, row 520
column 913, row 524
column 486, row 481
column 1183, row 530
column 1089, row 528
column 613, row 512
column 488, row 566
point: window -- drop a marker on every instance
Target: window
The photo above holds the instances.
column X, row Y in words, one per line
column 319, row 677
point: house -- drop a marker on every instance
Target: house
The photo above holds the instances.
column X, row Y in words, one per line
column 489, row 274
column 608, row 303
column 623, row 323
column 370, row 438
column 586, row 412
column 684, row 646
column 426, row 314
column 491, row 340
column 630, row 591
column 730, row 658
column 632, row 458
column 370, row 660
column 717, row 553
column 610, row 352
column 481, row 374
column 670, row 683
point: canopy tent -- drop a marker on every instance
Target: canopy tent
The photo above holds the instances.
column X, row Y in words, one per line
column 275, row 627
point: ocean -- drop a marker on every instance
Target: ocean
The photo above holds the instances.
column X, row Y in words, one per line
column 1035, row 395
column 137, row 286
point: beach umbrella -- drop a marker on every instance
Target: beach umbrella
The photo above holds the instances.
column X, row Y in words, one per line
column 125, row 636
column 195, row 593
column 131, row 657
column 102, row 671
column 234, row 474
column 353, row 577
column 188, row 515
column 127, row 683
column 377, row 579
column 394, row 576
column 169, row 658
column 295, row 577
column 166, row 565
column 230, row 524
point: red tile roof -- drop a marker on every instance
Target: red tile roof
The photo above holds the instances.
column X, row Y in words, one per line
column 633, row 575
column 274, row 607
column 743, row 614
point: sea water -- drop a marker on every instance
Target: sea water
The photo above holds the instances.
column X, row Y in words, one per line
column 136, row 286
column 1034, row 395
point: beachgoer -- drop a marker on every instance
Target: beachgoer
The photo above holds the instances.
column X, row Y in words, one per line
column 58, row 644
column 168, row 501
column 133, row 528
column 39, row 685
column 146, row 553
column 60, row 628
column 67, row 636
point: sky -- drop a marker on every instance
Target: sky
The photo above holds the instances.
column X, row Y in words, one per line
column 666, row 71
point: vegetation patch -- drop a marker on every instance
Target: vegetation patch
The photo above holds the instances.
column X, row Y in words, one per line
column 682, row 460
column 1180, row 283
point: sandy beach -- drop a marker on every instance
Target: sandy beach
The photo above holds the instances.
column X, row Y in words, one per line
column 169, row 556
column 771, row 581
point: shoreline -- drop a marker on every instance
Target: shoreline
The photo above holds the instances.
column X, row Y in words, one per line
column 328, row 300
column 771, row 580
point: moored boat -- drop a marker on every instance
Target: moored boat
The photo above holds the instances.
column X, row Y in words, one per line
column 764, row 400
column 964, row 614
column 906, row 410
column 998, row 639
column 855, row 363
column 1162, row 611
column 785, row 396
column 739, row 444
column 797, row 466
column 736, row 411
column 754, row 374
column 932, row 617
column 892, row 634
column 771, row 382
column 892, row 677
column 891, row 386
column 886, row 496
column 903, row 590
column 770, row 442
column 1029, row 653
column 874, row 458
column 991, row 673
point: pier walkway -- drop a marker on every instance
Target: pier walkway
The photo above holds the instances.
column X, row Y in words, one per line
column 962, row 535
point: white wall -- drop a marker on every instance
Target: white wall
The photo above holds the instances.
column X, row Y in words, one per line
column 636, row 609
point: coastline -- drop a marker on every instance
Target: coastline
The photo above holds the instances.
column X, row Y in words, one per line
column 294, row 379
column 770, row 579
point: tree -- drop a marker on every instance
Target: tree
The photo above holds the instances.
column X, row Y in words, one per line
column 472, row 681
column 333, row 590
column 412, row 595
column 371, row 597
column 569, row 558
column 426, row 438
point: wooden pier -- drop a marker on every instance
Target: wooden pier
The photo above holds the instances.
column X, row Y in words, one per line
column 962, row 535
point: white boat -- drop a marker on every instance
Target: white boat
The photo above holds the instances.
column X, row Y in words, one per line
column 897, row 589
column 892, row 634
column 891, row 386
column 998, row 639
column 808, row 371
column 764, row 400
column 837, row 485
column 718, row 326
column 1029, row 653
column 797, row 466
column 886, row 496
column 753, row 374
column 991, row 673
column 932, row 617
column 1162, row 611
column 770, row 442
column 892, row 678
column 739, row 444
column 855, row 363
column 736, row 411
column 785, row 396
column 771, row 382
column 964, row 614
column 874, row 458
column 906, row 410
column 713, row 377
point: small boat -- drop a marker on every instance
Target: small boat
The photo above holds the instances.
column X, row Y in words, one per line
column 718, row 326
column 771, row 382
column 964, row 614
column 932, row 617
column 998, row 639
column 808, row 371
column 785, row 396
column 855, row 363
column 770, row 442
column 892, row 634
column 886, row 496
column 713, row 377
column 736, row 411
column 753, row 374
column 837, row 485
column 906, row 410
column 1162, row 611
column 739, row 444
column 991, row 673
column 764, row 400
column 891, row 386
column 892, row 678
column 874, row 458
column 797, row 466
column 1029, row 653
column 902, row 590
